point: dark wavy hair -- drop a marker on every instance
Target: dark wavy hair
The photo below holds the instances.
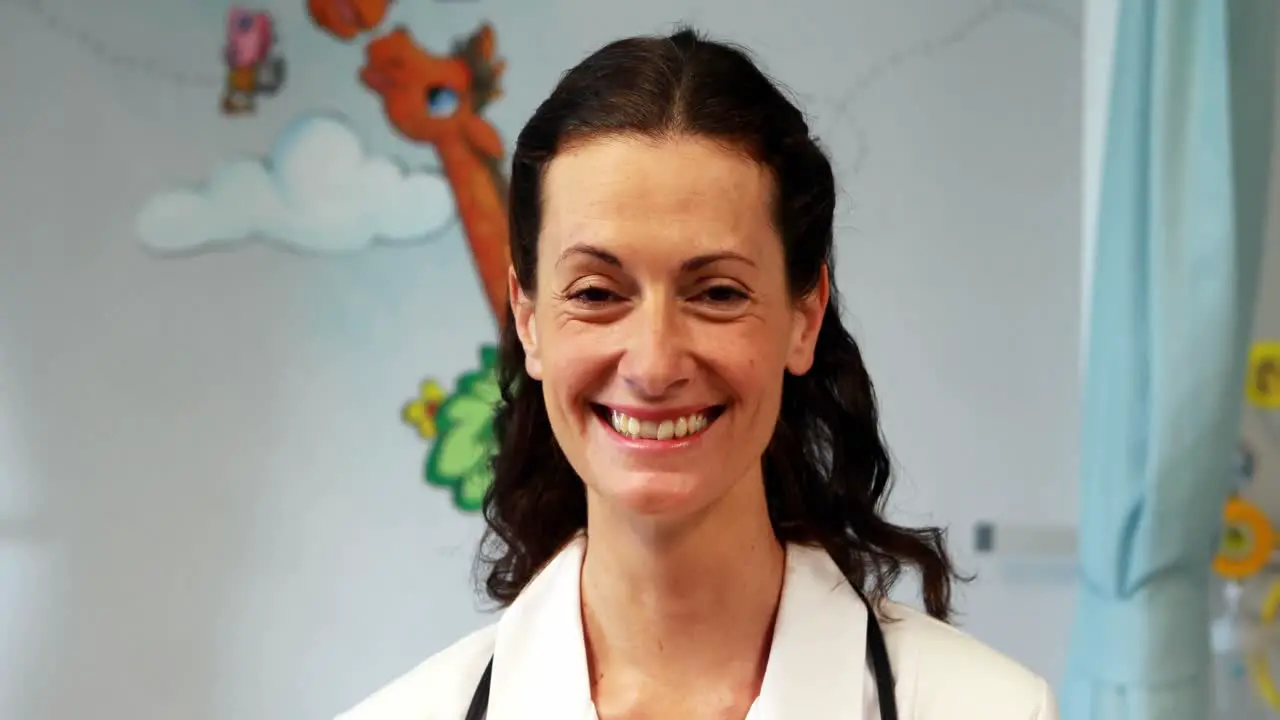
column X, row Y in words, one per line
column 826, row 469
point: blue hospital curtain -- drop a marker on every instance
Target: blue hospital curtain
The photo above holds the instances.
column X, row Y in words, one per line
column 1180, row 228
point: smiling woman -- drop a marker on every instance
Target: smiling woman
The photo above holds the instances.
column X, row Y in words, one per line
column 685, row 516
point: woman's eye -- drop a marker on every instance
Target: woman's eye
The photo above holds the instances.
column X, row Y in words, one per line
column 723, row 295
column 592, row 296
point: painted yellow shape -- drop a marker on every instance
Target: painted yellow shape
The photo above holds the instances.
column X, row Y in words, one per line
column 420, row 413
column 1262, row 382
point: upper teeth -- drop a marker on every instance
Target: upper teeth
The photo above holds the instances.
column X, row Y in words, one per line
column 662, row 430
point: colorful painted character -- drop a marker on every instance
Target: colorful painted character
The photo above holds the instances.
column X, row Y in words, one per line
column 345, row 19
column 438, row 100
column 252, row 69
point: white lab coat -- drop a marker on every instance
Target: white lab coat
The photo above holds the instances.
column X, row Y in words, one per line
column 540, row 667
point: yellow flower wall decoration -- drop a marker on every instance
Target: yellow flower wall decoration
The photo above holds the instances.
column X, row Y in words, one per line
column 421, row 412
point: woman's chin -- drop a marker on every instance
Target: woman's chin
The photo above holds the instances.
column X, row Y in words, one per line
column 656, row 495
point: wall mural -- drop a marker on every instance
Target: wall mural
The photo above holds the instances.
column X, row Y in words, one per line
column 347, row 19
column 457, row 88
column 319, row 190
column 460, row 428
column 437, row 100
column 1249, row 611
column 252, row 67
column 316, row 190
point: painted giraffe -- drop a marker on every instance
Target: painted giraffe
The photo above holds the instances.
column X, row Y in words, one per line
column 345, row 19
column 438, row 100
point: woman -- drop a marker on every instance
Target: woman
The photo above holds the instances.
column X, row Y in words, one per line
column 685, row 514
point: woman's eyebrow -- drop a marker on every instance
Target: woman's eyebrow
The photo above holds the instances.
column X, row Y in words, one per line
column 694, row 263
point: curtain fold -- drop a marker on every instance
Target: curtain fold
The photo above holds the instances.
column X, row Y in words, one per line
column 1180, row 218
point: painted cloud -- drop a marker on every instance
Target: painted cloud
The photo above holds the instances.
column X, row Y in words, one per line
column 316, row 191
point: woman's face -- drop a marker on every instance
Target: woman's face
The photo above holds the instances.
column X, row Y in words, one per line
column 662, row 323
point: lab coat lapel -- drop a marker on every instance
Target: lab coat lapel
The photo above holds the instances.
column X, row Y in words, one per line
column 817, row 662
column 540, row 657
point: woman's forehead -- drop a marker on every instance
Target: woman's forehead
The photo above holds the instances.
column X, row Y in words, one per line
column 691, row 194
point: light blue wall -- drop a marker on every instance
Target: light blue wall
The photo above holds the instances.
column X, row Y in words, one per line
column 209, row 507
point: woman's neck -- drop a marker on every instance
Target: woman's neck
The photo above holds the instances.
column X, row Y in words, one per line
column 687, row 612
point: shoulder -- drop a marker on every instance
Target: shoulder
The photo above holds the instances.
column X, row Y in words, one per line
column 943, row 672
column 440, row 687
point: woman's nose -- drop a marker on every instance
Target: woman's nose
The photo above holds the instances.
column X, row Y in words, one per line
column 657, row 362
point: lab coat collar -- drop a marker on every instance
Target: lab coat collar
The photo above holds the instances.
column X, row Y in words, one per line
column 816, row 667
